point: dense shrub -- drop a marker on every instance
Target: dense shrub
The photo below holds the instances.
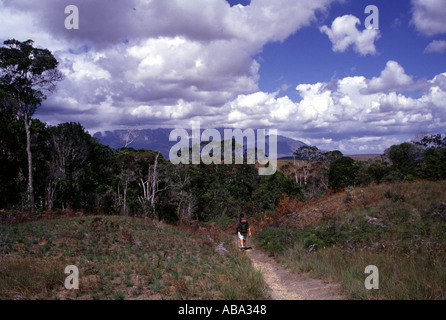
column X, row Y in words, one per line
column 342, row 173
column 275, row 240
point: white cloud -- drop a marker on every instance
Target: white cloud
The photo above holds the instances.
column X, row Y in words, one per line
column 428, row 16
column 342, row 112
column 264, row 21
column 344, row 33
column 392, row 102
column 181, row 110
column 392, row 78
column 86, row 67
column 163, row 63
column 365, row 139
column 436, row 96
column 145, row 58
column 438, row 46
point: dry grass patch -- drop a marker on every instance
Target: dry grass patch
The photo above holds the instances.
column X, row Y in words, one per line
column 398, row 227
column 120, row 258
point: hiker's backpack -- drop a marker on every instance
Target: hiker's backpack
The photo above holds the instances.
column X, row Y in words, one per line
column 243, row 226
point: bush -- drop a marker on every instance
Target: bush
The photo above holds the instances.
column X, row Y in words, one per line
column 409, row 177
column 392, row 176
column 342, row 173
column 378, row 169
column 312, row 239
column 275, row 240
column 404, row 157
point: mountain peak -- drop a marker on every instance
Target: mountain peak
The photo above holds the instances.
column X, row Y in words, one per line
column 158, row 140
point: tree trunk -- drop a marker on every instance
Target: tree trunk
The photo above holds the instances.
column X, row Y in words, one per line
column 295, row 169
column 30, row 162
column 154, row 183
column 51, row 194
column 125, row 199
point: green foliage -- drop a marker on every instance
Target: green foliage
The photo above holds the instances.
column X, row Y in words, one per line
column 310, row 153
column 27, row 75
column 312, row 239
column 74, row 172
column 274, row 240
column 77, row 173
column 424, row 159
column 433, row 141
column 333, row 155
column 394, row 196
column 378, row 169
column 433, row 165
column 402, row 233
column 342, row 173
column 404, row 157
column 212, row 191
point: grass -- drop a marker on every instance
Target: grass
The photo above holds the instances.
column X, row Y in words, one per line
column 121, row 258
column 400, row 228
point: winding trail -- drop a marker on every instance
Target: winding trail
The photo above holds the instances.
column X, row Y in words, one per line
column 285, row 285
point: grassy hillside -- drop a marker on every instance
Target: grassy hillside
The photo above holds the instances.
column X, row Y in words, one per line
column 400, row 228
column 122, row 258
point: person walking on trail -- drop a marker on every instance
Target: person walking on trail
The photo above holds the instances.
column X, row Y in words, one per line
column 243, row 229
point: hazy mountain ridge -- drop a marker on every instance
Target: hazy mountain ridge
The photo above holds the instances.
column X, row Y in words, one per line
column 158, row 140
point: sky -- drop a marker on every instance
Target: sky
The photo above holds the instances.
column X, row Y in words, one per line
column 314, row 70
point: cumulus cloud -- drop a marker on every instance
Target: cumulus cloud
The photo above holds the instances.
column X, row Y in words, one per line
column 353, row 113
column 165, row 63
column 438, row 46
column 344, row 33
column 139, row 60
column 392, row 78
column 428, row 16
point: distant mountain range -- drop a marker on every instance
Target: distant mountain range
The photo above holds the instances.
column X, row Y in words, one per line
column 158, row 140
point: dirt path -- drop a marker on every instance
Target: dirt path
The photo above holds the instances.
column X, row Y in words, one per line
column 285, row 285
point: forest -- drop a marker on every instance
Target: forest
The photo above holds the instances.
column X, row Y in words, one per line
column 62, row 168
column 72, row 171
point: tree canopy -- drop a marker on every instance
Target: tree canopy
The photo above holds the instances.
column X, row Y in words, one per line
column 27, row 75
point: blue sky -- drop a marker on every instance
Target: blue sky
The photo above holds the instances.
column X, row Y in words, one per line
column 294, row 63
column 308, row 68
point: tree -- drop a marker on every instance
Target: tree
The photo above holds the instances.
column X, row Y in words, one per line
column 149, row 183
column 309, row 156
column 27, row 74
column 177, row 201
column 342, row 173
column 69, row 147
column 331, row 156
column 433, row 165
column 432, row 141
column 378, row 169
column 404, row 157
